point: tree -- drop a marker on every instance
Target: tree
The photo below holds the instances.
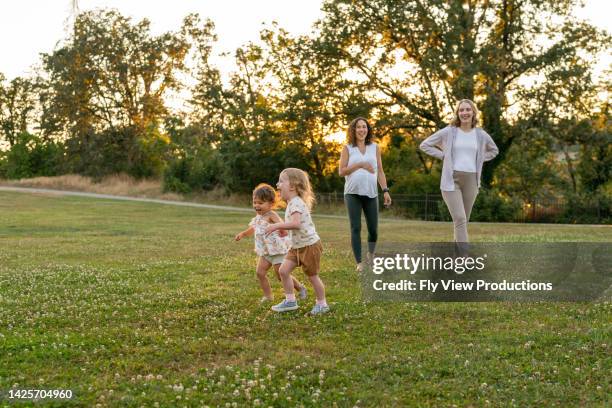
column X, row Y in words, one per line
column 595, row 165
column 417, row 58
column 110, row 78
column 117, row 71
column 275, row 113
column 533, row 172
column 17, row 106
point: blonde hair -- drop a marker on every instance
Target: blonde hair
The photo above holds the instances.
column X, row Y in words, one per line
column 457, row 122
column 299, row 180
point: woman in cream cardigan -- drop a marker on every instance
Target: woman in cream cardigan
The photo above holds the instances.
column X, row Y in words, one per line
column 463, row 148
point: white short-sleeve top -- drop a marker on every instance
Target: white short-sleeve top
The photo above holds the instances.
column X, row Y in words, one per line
column 306, row 235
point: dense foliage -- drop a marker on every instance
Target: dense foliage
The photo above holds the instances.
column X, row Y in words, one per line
column 101, row 104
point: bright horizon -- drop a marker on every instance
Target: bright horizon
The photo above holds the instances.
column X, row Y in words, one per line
column 49, row 19
column 233, row 30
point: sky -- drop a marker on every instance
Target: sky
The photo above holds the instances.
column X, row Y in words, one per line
column 31, row 27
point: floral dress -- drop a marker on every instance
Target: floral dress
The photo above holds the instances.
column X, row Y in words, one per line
column 271, row 244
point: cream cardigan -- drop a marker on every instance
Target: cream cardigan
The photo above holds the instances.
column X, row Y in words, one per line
column 440, row 145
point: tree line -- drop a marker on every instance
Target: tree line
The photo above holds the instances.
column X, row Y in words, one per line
column 100, row 103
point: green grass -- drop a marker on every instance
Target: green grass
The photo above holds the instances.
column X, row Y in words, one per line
column 134, row 304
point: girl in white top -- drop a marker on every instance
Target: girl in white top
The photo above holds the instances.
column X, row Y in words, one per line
column 361, row 166
column 306, row 249
column 272, row 248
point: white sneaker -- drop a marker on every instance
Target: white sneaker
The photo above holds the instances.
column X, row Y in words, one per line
column 285, row 306
column 318, row 310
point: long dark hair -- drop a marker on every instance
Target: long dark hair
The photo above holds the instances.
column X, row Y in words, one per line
column 350, row 132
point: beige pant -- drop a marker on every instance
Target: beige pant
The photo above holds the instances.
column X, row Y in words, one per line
column 460, row 202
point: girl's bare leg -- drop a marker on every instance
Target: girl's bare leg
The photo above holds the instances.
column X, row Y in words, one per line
column 319, row 289
column 285, row 274
column 262, row 275
column 297, row 285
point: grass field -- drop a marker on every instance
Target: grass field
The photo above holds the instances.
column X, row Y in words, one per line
column 133, row 304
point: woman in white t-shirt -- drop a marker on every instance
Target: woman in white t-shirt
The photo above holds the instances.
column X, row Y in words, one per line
column 361, row 166
column 463, row 148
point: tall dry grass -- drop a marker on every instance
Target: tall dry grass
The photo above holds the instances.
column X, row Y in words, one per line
column 124, row 185
column 120, row 184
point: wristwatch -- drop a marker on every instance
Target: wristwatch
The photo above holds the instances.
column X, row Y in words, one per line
column 385, row 190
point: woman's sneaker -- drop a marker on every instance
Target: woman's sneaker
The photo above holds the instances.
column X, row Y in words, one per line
column 318, row 309
column 285, row 306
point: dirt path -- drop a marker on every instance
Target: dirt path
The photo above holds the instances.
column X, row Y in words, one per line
column 33, row 190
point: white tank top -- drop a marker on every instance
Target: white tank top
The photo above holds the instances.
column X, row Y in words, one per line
column 361, row 181
column 464, row 151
